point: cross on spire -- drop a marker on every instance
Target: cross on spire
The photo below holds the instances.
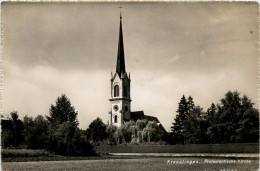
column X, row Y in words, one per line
column 120, row 12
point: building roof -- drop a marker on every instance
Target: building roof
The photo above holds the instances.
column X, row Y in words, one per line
column 120, row 65
column 137, row 115
column 140, row 115
column 151, row 118
column 6, row 123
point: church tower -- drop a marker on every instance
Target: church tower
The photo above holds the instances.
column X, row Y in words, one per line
column 120, row 87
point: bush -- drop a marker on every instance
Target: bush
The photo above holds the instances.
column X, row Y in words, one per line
column 25, row 153
column 135, row 133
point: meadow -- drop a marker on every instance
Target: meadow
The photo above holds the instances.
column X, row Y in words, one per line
column 145, row 163
column 187, row 148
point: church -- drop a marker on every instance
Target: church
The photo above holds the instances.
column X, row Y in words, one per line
column 120, row 91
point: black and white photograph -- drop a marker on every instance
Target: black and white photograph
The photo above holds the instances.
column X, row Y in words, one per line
column 113, row 85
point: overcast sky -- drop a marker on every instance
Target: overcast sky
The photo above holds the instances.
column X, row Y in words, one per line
column 171, row 49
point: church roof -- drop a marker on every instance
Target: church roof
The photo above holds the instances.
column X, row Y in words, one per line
column 140, row 115
column 151, row 118
column 137, row 115
column 120, row 65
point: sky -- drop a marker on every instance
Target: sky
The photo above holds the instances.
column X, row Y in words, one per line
column 202, row 49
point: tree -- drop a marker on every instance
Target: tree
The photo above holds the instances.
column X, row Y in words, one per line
column 81, row 147
column 178, row 125
column 234, row 120
column 96, row 131
column 141, row 124
column 151, row 131
column 126, row 132
column 249, row 126
column 35, row 132
column 17, row 127
column 7, row 133
column 246, row 104
column 63, row 133
column 28, row 131
column 137, row 132
column 110, row 130
column 211, row 114
column 63, row 112
column 40, row 132
column 196, row 127
column 190, row 104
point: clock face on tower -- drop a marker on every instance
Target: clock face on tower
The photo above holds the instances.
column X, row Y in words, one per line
column 126, row 108
column 115, row 107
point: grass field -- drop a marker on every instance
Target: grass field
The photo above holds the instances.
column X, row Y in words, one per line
column 166, row 163
column 24, row 153
column 187, row 148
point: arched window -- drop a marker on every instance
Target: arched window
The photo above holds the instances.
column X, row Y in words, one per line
column 116, row 91
column 125, row 91
column 115, row 118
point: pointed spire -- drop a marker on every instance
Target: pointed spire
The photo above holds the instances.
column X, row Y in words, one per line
column 120, row 13
column 120, row 66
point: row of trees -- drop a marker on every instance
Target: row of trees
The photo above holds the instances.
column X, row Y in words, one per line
column 234, row 120
column 58, row 132
column 141, row 131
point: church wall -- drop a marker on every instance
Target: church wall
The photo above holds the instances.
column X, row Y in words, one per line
column 117, row 112
column 127, row 112
column 126, row 82
column 117, row 81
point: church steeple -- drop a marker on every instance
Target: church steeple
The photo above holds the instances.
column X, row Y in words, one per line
column 120, row 66
column 120, row 87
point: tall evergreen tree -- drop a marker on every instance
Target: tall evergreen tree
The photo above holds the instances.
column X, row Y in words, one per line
column 196, row 127
column 178, row 125
column 211, row 114
column 190, row 104
column 188, row 122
